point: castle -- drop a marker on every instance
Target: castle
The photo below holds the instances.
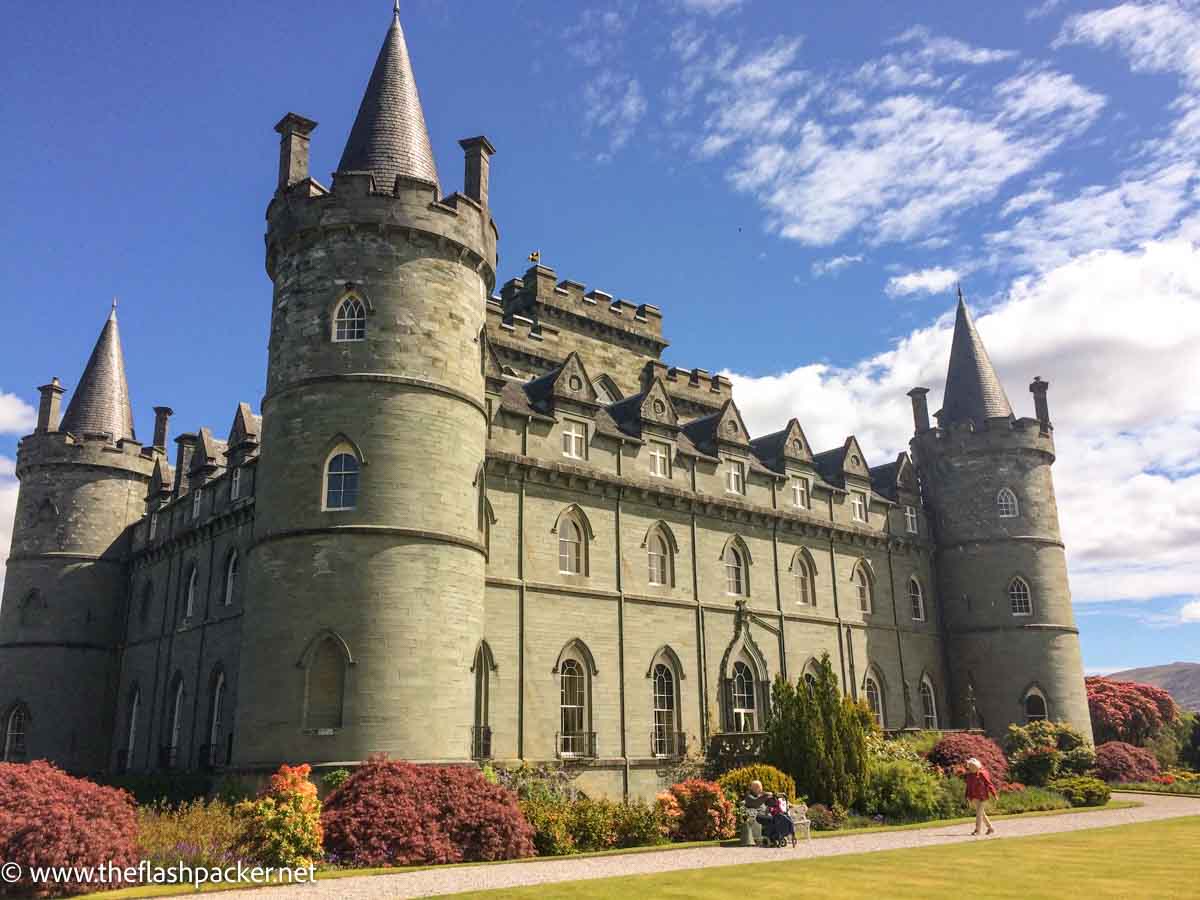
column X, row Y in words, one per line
column 471, row 525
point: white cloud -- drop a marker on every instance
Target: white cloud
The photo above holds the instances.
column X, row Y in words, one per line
column 16, row 416
column 834, row 265
column 8, row 509
column 1042, row 10
column 942, row 49
column 1036, row 197
column 1157, row 37
column 925, row 281
column 1114, row 332
column 1038, row 94
column 615, row 105
column 710, row 7
column 1190, row 612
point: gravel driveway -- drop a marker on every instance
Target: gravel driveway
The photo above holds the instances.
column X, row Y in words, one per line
column 454, row 879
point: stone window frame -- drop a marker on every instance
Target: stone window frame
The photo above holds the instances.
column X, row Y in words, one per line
column 743, row 672
column 348, row 322
column 235, row 484
column 15, row 744
column 1034, row 692
column 232, row 570
column 665, row 736
column 197, row 501
column 305, row 664
column 874, row 678
column 735, row 477
column 660, row 451
column 572, row 433
column 1020, row 596
column 576, row 662
column 341, row 446
column 661, row 533
column 862, row 576
column 804, row 573
column 860, row 506
column 482, row 667
column 175, row 711
column 735, row 557
column 801, row 492
column 573, row 517
column 911, row 521
column 189, row 591
column 219, row 686
column 930, row 717
column 916, row 599
column 1007, row 505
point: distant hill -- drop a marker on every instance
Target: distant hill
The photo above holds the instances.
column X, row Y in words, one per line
column 1180, row 679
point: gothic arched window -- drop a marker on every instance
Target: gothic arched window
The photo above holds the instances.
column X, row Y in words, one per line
column 189, row 599
column 216, row 730
column 745, row 717
column 15, row 727
column 666, row 723
column 874, row 699
column 231, row 574
column 863, row 588
column 341, row 480
column 1019, row 597
column 659, row 559
column 928, row 704
column 350, row 322
column 481, row 733
column 570, row 547
column 325, row 685
column 573, row 737
column 916, row 599
column 170, row 751
column 736, row 583
column 802, row 573
column 1006, row 504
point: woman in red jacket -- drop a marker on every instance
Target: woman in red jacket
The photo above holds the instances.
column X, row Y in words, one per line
column 979, row 791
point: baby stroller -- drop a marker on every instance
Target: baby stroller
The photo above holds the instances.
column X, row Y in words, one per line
column 780, row 829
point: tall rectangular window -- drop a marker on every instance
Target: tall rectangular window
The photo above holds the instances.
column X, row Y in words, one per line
column 660, row 459
column 153, row 525
column 197, row 494
column 235, row 484
column 800, row 493
column 735, row 479
column 858, row 502
column 910, row 519
column 574, row 439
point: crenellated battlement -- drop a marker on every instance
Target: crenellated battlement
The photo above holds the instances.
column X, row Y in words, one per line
column 538, row 295
column 997, row 436
column 56, row 448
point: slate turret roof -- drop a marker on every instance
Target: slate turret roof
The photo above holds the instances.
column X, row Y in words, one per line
column 100, row 404
column 973, row 390
column 389, row 136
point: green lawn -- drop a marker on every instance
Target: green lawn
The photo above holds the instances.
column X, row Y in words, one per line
column 1154, row 860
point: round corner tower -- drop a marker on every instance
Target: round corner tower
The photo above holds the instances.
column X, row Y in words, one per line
column 82, row 484
column 368, row 562
column 1011, row 641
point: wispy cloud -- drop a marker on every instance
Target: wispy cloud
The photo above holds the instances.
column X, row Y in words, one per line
column 832, row 266
column 925, row 281
column 710, row 7
column 1190, row 612
column 1042, row 10
column 615, row 105
column 16, row 416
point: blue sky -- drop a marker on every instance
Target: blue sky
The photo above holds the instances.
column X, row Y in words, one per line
column 797, row 185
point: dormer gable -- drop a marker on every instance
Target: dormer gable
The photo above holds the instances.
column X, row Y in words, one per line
column 779, row 448
column 162, row 481
column 724, row 428
column 656, row 406
column 569, row 382
column 841, row 463
column 246, row 428
column 209, row 451
column 854, row 461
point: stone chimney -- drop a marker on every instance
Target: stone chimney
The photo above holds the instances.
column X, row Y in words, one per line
column 293, row 149
column 183, row 462
column 479, row 151
column 920, row 407
column 49, row 409
column 1041, row 408
column 162, row 416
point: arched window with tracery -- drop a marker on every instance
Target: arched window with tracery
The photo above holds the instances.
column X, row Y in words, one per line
column 1019, row 597
column 350, row 321
column 342, row 480
column 16, row 726
column 1006, row 504
column 928, row 704
column 1035, row 706
column 745, row 707
column 665, row 738
column 481, row 732
column 573, row 737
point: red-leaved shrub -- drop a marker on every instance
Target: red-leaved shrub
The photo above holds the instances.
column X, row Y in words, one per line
column 1117, row 762
column 951, row 753
column 1128, row 711
column 391, row 813
column 48, row 818
column 704, row 813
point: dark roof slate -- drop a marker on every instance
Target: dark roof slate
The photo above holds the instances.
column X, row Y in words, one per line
column 100, row 404
column 389, row 136
column 973, row 390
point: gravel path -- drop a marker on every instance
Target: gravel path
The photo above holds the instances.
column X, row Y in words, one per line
column 455, row 879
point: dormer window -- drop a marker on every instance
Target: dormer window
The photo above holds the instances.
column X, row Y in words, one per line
column 910, row 519
column 735, row 477
column 574, row 439
column 350, row 322
column 858, row 504
column 660, row 459
column 800, row 497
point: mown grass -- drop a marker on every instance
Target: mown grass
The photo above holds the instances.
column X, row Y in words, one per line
column 1181, row 788
column 1155, row 859
column 170, row 890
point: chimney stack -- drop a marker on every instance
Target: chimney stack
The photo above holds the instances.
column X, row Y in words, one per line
column 1042, row 409
column 162, row 416
column 50, row 406
column 920, row 407
column 293, row 149
column 479, row 151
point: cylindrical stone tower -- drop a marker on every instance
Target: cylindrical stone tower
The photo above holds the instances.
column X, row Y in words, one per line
column 82, row 483
column 1012, row 644
column 367, row 570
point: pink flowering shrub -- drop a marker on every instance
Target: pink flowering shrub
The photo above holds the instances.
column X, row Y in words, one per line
column 1118, row 762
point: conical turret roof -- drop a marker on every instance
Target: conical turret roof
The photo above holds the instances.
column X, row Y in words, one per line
column 100, row 404
column 389, row 136
column 973, row 390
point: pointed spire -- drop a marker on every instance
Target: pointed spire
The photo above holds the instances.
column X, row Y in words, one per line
column 389, row 136
column 100, row 404
column 973, row 391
